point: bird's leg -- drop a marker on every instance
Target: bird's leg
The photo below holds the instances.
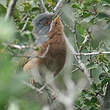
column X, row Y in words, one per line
column 32, row 81
column 51, row 91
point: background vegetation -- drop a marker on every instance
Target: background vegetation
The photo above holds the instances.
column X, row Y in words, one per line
column 86, row 24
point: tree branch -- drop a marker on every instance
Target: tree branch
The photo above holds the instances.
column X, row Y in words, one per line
column 24, row 47
column 43, row 6
column 106, row 99
column 24, row 27
column 20, row 47
column 91, row 53
column 10, row 9
column 32, row 87
column 58, row 5
column 82, row 65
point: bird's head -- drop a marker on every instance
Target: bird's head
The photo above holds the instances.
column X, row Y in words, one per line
column 42, row 23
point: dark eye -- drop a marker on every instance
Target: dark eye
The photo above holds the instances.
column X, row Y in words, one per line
column 46, row 22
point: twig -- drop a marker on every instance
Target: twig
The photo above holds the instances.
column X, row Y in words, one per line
column 10, row 9
column 58, row 5
column 24, row 27
column 43, row 6
column 82, row 65
column 20, row 47
column 84, row 42
column 75, row 37
column 106, row 99
column 67, row 98
column 23, row 47
column 32, row 87
column 75, row 70
column 25, row 16
column 91, row 53
column 26, row 56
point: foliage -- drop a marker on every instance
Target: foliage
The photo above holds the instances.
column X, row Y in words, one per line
column 92, row 19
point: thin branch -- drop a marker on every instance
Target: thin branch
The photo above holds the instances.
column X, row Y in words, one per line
column 24, row 47
column 58, row 5
column 24, row 27
column 106, row 99
column 84, row 42
column 91, row 53
column 75, row 36
column 32, row 87
column 20, row 47
column 43, row 6
column 75, row 70
column 25, row 16
column 82, row 65
column 10, row 9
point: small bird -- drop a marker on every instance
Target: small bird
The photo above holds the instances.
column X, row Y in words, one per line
column 49, row 35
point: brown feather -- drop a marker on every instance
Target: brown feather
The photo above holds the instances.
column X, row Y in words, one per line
column 56, row 55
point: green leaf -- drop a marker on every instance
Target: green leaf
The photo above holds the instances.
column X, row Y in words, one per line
column 86, row 15
column 76, row 6
column 102, row 58
column 91, row 65
column 35, row 9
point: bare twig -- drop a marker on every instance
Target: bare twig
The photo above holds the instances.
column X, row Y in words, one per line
column 32, row 87
column 10, row 9
column 43, row 6
column 91, row 53
column 75, row 37
column 67, row 98
column 25, row 16
column 23, row 47
column 82, row 65
column 20, row 47
column 84, row 42
column 75, row 70
column 58, row 5
column 24, row 27
column 106, row 99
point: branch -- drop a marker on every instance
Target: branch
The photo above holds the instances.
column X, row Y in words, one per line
column 25, row 25
column 24, row 47
column 67, row 98
column 20, row 47
column 75, row 70
column 91, row 53
column 82, row 65
column 58, row 5
column 43, row 6
column 106, row 99
column 32, row 87
column 10, row 9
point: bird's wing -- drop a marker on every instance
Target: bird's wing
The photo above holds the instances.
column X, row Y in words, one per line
column 27, row 57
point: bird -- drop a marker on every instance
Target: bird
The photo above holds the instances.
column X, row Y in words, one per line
column 49, row 34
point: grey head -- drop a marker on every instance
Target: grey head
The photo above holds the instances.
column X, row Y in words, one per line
column 42, row 24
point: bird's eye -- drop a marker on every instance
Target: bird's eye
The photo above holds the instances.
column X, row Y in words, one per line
column 46, row 22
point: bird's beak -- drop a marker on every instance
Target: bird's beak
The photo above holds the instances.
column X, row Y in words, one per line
column 57, row 17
